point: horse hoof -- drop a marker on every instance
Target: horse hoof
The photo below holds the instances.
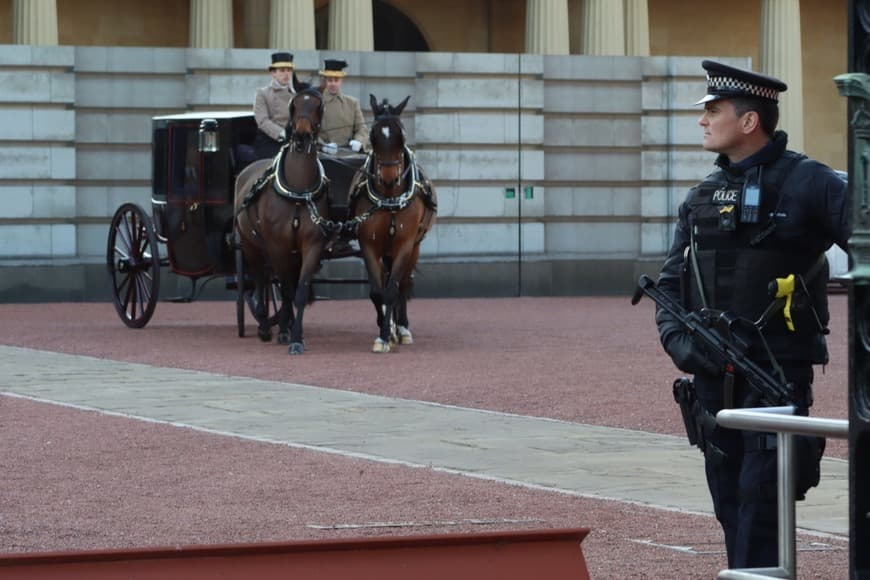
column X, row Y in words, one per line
column 265, row 335
column 296, row 348
column 283, row 338
column 405, row 336
column 380, row 346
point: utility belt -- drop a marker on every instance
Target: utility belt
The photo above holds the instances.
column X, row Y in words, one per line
column 701, row 423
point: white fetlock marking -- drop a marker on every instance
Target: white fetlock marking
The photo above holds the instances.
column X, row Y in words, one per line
column 394, row 335
column 405, row 336
column 380, row 345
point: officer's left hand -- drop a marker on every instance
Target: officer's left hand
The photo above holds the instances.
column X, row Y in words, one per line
column 355, row 145
column 283, row 136
column 688, row 356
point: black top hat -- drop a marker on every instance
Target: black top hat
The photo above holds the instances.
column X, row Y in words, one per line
column 333, row 68
column 725, row 82
column 281, row 60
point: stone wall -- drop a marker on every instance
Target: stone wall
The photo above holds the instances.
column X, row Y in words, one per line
column 555, row 175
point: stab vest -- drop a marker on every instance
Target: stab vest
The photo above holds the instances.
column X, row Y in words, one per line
column 738, row 263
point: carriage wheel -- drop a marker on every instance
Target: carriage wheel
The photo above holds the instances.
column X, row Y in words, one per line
column 133, row 260
column 240, row 284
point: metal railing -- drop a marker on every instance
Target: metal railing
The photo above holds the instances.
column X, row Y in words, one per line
column 783, row 421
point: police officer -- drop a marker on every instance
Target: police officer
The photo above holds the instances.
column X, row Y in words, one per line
column 272, row 106
column 343, row 123
column 764, row 213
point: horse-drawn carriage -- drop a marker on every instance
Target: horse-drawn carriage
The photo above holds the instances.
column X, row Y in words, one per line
column 219, row 218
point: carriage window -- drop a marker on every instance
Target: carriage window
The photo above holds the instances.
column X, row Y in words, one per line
column 158, row 154
column 186, row 164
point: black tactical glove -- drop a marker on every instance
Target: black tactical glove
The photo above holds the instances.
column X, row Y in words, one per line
column 687, row 355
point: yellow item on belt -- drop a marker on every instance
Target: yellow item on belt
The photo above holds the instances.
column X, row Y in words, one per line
column 785, row 289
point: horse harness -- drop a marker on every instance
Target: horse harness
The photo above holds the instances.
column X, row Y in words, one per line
column 379, row 202
column 275, row 176
column 392, row 204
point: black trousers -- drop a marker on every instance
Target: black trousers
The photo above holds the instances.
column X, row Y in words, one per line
column 265, row 146
column 743, row 486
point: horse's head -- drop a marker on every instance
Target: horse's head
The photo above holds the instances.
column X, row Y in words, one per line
column 306, row 113
column 387, row 139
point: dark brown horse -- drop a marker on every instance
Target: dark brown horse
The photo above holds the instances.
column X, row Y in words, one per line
column 394, row 206
column 280, row 208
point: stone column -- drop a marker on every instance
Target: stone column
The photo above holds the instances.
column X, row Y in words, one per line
column 256, row 24
column 211, row 23
column 292, row 25
column 34, row 22
column 603, row 28
column 636, row 28
column 781, row 56
column 350, row 25
column 547, row 27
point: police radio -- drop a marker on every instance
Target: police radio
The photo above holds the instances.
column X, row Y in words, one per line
column 751, row 202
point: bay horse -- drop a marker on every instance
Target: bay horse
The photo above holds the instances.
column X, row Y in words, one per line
column 280, row 207
column 392, row 206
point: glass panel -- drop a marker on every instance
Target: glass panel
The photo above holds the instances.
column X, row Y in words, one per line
column 186, row 163
column 159, row 156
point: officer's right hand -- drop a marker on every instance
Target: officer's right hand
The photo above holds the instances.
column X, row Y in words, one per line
column 329, row 148
column 688, row 356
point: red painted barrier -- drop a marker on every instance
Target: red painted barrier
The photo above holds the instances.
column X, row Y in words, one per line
column 551, row 554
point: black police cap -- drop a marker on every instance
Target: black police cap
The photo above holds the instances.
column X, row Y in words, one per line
column 725, row 82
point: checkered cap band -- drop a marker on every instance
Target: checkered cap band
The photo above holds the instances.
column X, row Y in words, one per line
column 730, row 85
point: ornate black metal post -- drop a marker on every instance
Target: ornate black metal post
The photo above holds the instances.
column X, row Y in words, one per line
column 856, row 86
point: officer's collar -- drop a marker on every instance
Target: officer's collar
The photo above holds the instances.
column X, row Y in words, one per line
column 279, row 87
column 767, row 154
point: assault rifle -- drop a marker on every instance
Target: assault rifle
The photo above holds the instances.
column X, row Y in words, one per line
column 715, row 331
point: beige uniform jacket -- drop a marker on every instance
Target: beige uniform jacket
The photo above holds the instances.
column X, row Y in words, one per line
column 342, row 121
column 272, row 109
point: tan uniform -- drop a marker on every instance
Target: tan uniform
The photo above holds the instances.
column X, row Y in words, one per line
column 272, row 109
column 342, row 120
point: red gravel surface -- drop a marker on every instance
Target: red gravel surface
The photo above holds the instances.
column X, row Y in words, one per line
column 80, row 480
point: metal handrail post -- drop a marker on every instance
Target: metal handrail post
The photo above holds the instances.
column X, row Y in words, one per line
column 786, row 425
column 785, row 499
column 785, row 505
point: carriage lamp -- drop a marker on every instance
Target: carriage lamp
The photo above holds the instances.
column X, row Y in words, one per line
column 208, row 136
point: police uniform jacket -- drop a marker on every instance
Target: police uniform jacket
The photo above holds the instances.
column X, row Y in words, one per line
column 803, row 211
column 272, row 109
column 342, row 120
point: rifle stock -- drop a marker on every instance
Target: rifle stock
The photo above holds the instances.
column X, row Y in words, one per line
column 728, row 348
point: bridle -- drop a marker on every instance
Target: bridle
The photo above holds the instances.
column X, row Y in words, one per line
column 379, row 165
column 305, row 141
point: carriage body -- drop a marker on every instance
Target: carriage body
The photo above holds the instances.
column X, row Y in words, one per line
column 192, row 187
column 195, row 159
